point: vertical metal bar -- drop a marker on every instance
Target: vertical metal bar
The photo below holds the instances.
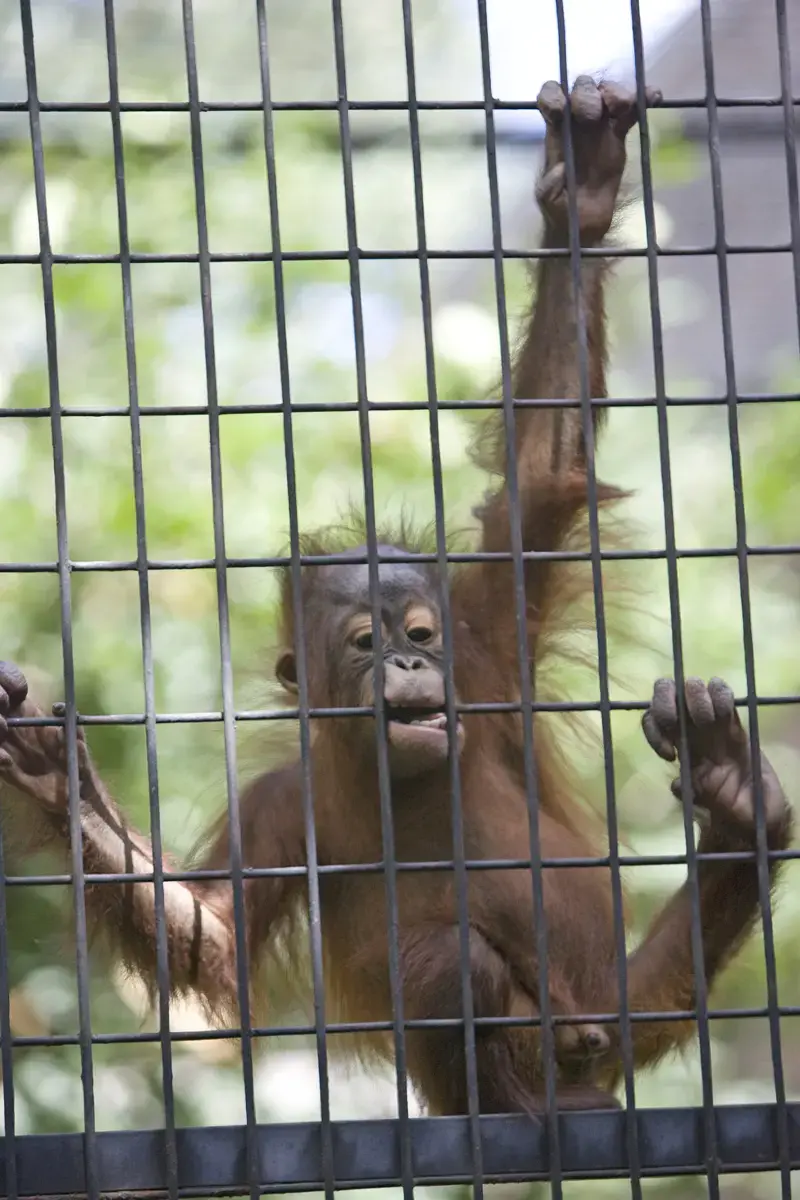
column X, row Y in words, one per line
column 698, row 956
column 785, row 59
column 460, row 871
column 162, row 956
column 65, row 599
column 314, row 906
column 764, row 890
column 626, row 1039
column 6, row 1050
column 526, row 690
column 228, row 708
column 384, row 776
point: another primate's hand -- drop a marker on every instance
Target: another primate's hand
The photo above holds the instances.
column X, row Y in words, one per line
column 601, row 117
column 33, row 757
column 720, row 765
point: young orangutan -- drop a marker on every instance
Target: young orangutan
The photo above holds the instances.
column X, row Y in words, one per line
column 503, row 966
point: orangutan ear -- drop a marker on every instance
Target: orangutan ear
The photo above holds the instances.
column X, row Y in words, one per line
column 286, row 671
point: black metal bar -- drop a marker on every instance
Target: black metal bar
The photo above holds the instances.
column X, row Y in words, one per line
column 223, row 616
column 790, row 138
column 698, row 957
column 524, row 661
column 312, row 870
column 456, row 795
column 764, row 887
column 65, row 606
column 172, row 410
column 203, row 564
column 162, row 955
column 467, row 254
column 587, row 423
column 6, row 1038
column 322, row 106
column 459, row 853
column 373, row 568
column 480, row 864
column 488, row 404
column 360, row 1027
column 212, row 1161
column 290, row 714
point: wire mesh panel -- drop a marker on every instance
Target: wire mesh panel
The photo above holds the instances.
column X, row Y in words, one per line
column 424, row 871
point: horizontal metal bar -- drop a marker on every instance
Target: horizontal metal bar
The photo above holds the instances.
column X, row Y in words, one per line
column 320, row 560
column 338, row 1028
column 201, row 410
column 64, row 879
column 708, row 250
column 289, row 714
column 335, row 106
column 367, row 1153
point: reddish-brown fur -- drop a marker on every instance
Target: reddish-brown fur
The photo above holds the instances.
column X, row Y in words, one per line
column 503, row 968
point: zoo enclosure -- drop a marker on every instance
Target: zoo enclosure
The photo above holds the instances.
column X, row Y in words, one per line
column 632, row 1144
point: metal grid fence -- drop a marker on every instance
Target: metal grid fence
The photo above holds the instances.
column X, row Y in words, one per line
column 630, row 1144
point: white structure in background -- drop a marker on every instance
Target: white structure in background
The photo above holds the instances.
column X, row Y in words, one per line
column 523, row 37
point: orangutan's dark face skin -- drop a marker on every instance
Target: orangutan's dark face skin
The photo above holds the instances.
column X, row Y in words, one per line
column 411, row 634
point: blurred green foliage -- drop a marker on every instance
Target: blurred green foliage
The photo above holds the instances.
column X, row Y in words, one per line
column 171, row 370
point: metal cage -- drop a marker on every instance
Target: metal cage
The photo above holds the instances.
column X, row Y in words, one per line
column 631, row 1145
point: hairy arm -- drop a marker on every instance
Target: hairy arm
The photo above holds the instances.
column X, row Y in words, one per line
column 198, row 914
column 549, row 443
column 661, row 975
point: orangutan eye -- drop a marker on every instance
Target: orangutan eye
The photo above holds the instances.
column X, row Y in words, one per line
column 419, row 633
column 364, row 640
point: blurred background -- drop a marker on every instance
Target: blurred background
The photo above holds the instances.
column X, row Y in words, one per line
column 171, row 371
